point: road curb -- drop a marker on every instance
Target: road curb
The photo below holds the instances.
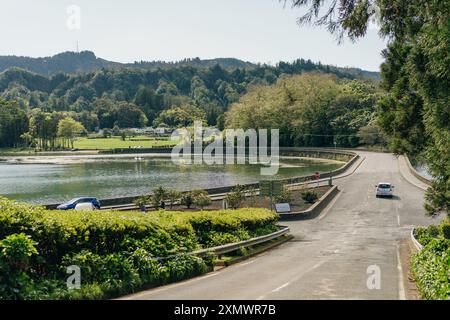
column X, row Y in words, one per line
column 409, row 168
column 257, row 252
column 415, row 172
column 313, row 211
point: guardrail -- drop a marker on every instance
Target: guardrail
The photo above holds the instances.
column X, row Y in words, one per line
column 219, row 250
column 416, row 243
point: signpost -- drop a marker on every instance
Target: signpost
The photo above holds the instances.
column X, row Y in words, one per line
column 270, row 188
column 317, row 176
column 282, row 207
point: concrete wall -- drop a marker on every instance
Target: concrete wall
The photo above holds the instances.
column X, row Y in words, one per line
column 416, row 173
column 315, row 209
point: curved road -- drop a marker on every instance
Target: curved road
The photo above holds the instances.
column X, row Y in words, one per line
column 330, row 255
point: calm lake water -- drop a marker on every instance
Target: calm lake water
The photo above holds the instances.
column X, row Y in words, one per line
column 109, row 178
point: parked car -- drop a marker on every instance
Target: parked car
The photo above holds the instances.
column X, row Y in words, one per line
column 86, row 206
column 385, row 189
column 70, row 205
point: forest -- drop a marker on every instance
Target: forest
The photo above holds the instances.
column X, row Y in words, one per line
column 33, row 105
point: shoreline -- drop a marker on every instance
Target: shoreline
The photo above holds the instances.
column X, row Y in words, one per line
column 79, row 159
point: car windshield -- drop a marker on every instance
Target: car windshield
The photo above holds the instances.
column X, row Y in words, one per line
column 74, row 201
column 384, row 186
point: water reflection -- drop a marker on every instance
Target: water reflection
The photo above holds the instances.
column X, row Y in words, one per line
column 105, row 178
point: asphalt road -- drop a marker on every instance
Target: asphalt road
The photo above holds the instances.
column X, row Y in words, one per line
column 330, row 255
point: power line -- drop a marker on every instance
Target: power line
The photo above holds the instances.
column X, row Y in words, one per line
column 335, row 135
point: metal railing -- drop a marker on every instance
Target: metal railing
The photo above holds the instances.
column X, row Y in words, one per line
column 219, row 250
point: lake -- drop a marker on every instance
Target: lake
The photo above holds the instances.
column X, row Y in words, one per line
column 57, row 179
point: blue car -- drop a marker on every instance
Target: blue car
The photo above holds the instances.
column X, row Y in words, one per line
column 70, row 205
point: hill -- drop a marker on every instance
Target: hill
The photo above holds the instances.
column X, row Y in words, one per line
column 87, row 61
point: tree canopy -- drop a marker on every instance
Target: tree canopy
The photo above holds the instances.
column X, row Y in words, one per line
column 416, row 75
column 309, row 110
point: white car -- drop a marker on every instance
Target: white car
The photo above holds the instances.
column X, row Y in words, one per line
column 385, row 189
column 87, row 206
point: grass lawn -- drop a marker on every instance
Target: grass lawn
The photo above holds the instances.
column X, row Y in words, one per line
column 117, row 142
column 16, row 151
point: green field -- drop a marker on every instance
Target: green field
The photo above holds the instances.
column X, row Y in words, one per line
column 117, row 142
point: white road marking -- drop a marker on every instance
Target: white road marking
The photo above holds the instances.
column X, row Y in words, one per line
column 293, row 280
column 401, row 287
column 170, row 286
column 245, row 263
column 281, row 287
column 398, row 215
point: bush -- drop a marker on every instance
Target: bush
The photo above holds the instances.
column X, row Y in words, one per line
column 425, row 235
column 445, row 229
column 430, row 268
column 235, row 197
column 173, row 196
column 15, row 253
column 185, row 266
column 142, row 201
column 159, row 195
column 309, row 196
column 187, row 200
column 200, row 198
column 116, row 251
column 284, row 197
column 431, row 265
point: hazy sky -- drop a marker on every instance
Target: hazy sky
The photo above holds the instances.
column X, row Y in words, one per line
column 126, row 31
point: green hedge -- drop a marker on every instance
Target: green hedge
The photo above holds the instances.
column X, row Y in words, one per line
column 431, row 266
column 116, row 251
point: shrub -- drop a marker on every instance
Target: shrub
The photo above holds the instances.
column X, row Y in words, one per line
column 215, row 238
column 425, row 235
column 187, row 200
column 116, row 251
column 159, row 195
column 431, row 265
column 185, row 266
column 252, row 196
column 284, row 197
column 201, row 198
column 235, row 197
column 15, row 253
column 445, row 229
column 142, row 201
column 309, row 196
column 173, row 196
column 430, row 268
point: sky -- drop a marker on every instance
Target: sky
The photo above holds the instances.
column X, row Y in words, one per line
column 263, row 31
